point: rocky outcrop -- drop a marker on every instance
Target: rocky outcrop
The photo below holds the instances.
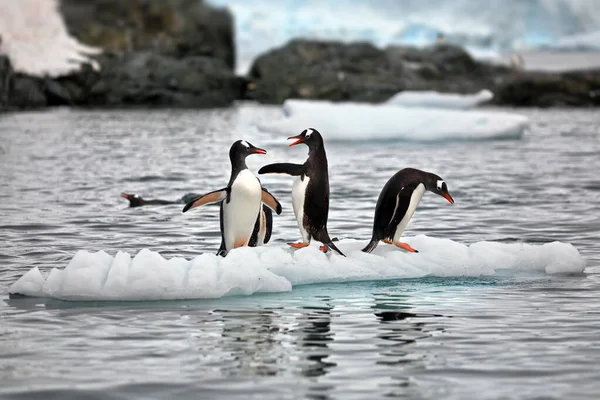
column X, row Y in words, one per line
column 149, row 79
column 335, row 71
column 129, row 79
column 177, row 53
column 361, row 72
column 174, row 28
column 5, row 81
column 577, row 88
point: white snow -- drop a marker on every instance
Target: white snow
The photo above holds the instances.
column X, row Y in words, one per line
column 359, row 121
column 34, row 37
column 272, row 268
column 433, row 99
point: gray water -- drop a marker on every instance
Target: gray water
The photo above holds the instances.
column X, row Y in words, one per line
column 494, row 337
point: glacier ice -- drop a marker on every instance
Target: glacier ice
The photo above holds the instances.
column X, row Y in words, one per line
column 359, row 121
column 272, row 268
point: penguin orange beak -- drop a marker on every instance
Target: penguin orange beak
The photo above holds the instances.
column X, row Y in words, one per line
column 299, row 139
column 448, row 197
column 126, row 196
column 259, row 151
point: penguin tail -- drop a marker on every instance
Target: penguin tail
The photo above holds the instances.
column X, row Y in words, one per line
column 332, row 246
column 371, row 246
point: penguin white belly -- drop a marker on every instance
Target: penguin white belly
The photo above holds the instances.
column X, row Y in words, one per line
column 415, row 198
column 298, row 196
column 239, row 215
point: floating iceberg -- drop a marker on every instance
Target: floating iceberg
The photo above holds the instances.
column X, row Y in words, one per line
column 433, row 99
column 358, row 121
column 271, row 268
column 34, row 37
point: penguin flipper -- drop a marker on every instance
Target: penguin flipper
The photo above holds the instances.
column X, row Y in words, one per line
column 402, row 204
column 269, row 223
column 271, row 201
column 222, row 248
column 208, row 198
column 282, row 168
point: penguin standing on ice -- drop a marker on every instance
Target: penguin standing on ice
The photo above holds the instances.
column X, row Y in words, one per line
column 310, row 193
column 240, row 201
column 397, row 203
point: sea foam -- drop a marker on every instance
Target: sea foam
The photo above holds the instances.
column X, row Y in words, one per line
column 358, row 121
column 273, row 268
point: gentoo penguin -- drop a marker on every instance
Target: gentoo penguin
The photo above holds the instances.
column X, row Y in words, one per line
column 397, row 203
column 240, row 201
column 137, row 201
column 310, row 193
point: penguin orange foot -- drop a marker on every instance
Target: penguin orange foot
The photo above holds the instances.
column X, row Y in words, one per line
column 406, row 247
column 298, row 245
column 388, row 241
column 324, row 248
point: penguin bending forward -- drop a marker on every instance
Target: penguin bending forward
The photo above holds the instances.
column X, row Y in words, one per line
column 241, row 200
column 310, row 193
column 397, row 203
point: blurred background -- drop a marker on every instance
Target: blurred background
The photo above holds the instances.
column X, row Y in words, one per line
column 105, row 52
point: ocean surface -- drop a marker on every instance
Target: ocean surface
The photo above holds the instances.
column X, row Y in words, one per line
column 510, row 335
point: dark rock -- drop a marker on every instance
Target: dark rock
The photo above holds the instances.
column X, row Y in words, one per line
column 6, row 76
column 577, row 88
column 325, row 70
column 144, row 78
column 360, row 72
column 26, row 92
column 176, row 28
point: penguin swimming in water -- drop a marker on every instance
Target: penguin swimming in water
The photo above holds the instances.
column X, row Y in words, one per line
column 240, row 200
column 310, row 193
column 397, row 203
column 262, row 228
column 138, row 201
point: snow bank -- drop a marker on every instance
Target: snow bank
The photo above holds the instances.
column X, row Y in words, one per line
column 35, row 38
column 433, row 99
column 272, row 268
column 358, row 121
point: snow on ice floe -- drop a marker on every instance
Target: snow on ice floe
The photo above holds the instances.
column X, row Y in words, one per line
column 359, row 121
column 433, row 99
column 272, row 268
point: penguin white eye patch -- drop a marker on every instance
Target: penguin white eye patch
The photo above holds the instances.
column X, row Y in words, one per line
column 309, row 132
column 440, row 184
column 245, row 144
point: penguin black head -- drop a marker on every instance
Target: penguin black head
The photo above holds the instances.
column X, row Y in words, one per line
column 435, row 184
column 310, row 136
column 134, row 199
column 241, row 149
